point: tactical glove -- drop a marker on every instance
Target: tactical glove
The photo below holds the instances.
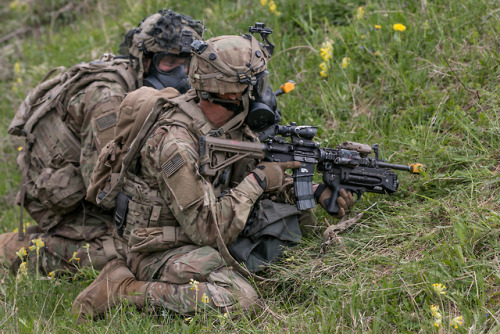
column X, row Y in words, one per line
column 345, row 200
column 271, row 175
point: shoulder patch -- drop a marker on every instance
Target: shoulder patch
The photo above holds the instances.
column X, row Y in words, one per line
column 106, row 121
column 172, row 165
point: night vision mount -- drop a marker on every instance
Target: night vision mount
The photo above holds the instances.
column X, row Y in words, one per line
column 260, row 28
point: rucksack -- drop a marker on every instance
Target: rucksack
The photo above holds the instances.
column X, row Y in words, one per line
column 51, row 184
column 137, row 115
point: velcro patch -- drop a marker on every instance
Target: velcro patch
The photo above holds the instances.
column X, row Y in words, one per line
column 173, row 164
column 106, row 121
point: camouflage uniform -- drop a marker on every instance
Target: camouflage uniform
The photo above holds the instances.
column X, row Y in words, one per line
column 68, row 233
column 89, row 114
column 179, row 221
column 175, row 214
column 189, row 206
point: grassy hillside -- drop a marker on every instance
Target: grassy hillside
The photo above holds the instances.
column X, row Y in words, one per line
column 420, row 78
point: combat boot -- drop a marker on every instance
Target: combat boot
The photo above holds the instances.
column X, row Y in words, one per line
column 115, row 282
column 9, row 246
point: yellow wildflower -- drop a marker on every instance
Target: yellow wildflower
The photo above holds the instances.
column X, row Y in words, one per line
column 52, row 274
column 376, row 53
column 378, row 27
column 360, row 13
column 345, row 62
column 323, row 67
column 194, row 284
column 435, row 311
column 87, row 246
column 37, row 244
column 17, row 67
column 14, row 5
column 74, row 258
column 362, row 36
column 20, row 148
column 205, row 299
column 223, row 318
column 399, row 27
column 439, row 288
column 326, row 49
column 263, row 2
column 438, row 322
column 188, row 319
column 23, row 271
column 457, row 321
column 272, row 6
column 21, row 253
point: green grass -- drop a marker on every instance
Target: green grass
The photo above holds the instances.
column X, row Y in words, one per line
column 426, row 94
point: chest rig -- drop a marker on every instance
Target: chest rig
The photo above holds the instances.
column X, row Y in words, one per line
column 147, row 209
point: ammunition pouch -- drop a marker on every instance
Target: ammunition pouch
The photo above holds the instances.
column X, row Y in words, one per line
column 141, row 207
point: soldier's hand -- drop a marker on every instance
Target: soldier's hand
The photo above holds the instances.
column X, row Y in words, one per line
column 271, row 175
column 345, row 200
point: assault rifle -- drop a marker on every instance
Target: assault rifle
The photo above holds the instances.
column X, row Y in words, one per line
column 346, row 167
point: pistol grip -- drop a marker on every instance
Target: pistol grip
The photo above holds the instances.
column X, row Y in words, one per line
column 332, row 207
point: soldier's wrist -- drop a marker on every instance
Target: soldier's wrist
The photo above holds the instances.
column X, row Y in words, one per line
column 260, row 177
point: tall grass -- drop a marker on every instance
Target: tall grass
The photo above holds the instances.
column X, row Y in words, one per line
column 428, row 94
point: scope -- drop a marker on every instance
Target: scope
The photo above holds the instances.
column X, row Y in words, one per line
column 292, row 130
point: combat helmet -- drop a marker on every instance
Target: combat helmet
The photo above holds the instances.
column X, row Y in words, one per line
column 165, row 32
column 229, row 64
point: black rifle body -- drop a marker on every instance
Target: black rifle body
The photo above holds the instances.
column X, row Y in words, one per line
column 342, row 168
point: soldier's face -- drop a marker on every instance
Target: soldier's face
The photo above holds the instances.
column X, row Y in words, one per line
column 169, row 62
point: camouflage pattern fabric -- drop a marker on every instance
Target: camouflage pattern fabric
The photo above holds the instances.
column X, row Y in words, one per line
column 192, row 199
column 89, row 117
column 169, row 163
column 65, row 246
column 191, row 278
column 99, row 101
column 62, row 255
column 88, row 223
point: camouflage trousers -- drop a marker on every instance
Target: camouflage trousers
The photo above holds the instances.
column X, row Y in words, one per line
column 79, row 241
column 190, row 278
column 60, row 254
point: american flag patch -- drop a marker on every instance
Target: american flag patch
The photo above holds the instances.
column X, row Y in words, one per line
column 172, row 165
column 106, row 121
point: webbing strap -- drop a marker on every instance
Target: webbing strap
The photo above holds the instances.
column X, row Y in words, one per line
column 24, row 180
column 108, row 245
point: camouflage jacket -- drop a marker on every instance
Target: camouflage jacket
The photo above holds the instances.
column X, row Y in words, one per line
column 170, row 163
column 91, row 113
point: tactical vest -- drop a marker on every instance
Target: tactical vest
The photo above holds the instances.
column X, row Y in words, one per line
column 143, row 211
column 52, row 185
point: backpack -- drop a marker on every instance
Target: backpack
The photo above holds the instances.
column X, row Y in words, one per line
column 51, row 184
column 137, row 115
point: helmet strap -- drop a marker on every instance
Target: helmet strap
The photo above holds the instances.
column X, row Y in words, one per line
column 140, row 75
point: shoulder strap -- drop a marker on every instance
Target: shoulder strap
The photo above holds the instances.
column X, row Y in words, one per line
column 107, row 200
column 187, row 114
